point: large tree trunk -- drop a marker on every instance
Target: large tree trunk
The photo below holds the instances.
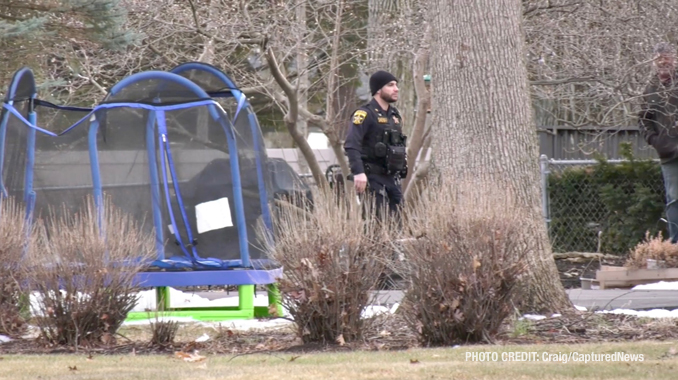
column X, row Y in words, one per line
column 484, row 132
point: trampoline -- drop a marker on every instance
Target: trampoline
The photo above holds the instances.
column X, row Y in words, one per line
column 181, row 151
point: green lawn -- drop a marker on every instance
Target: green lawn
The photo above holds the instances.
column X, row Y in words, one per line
column 660, row 362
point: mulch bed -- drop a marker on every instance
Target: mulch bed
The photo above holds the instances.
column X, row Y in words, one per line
column 590, row 327
column 391, row 334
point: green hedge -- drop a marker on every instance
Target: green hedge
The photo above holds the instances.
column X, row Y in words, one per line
column 622, row 200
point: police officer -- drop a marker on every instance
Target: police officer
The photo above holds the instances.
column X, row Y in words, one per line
column 375, row 145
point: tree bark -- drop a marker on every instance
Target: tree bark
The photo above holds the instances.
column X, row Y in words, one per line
column 484, row 134
column 416, row 138
column 302, row 77
column 291, row 119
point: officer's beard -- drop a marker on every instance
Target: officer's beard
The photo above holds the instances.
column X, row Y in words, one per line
column 387, row 98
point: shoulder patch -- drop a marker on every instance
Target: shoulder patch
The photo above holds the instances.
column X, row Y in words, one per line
column 359, row 116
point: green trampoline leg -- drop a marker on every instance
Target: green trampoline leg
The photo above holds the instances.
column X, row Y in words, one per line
column 162, row 298
column 274, row 299
column 274, row 308
column 246, row 299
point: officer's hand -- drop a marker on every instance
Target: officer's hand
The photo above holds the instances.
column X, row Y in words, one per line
column 360, row 182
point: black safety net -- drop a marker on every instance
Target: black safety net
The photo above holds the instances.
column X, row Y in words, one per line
column 277, row 176
column 48, row 170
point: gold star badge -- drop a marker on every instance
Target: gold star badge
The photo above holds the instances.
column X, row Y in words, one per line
column 359, row 117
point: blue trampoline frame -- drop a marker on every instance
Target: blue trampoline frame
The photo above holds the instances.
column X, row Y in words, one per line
column 245, row 273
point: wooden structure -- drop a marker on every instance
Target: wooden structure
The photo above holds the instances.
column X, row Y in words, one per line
column 621, row 277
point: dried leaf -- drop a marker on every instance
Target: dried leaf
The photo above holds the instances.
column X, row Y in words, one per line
column 74, row 368
column 273, row 310
column 106, row 338
column 293, row 358
column 476, row 263
column 414, row 361
column 191, row 358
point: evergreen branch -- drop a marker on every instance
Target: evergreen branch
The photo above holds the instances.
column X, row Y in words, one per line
column 8, row 30
column 34, row 7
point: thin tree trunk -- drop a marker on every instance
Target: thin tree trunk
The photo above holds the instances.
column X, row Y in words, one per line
column 302, row 77
column 384, row 53
column 332, row 111
column 416, row 138
column 484, row 132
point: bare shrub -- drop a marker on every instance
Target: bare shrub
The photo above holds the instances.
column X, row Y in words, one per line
column 462, row 266
column 332, row 259
column 655, row 248
column 83, row 275
column 163, row 331
column 15, row 236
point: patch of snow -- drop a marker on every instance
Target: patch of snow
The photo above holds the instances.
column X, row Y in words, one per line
column 147, row 300
column 654, row 313
column 203, row 338
column 533, row 317
column 661, row 285
column 5, row 339
column 178, row 299
column 394, row 307
column 160, row 318
column 237, row 325
column 250, row 324
column 580, row 308
column 374, row 310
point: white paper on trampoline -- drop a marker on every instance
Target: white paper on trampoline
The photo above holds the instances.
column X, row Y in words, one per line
column 213, row 215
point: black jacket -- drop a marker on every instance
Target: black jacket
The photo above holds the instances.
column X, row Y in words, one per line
column 658, row 118
column 366, row 128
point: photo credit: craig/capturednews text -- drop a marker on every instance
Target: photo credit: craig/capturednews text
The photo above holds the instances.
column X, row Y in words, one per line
column 562, row 357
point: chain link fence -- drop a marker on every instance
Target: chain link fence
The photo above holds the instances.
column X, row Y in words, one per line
column 602, row 206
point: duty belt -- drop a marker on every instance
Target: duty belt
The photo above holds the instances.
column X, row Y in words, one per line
column 371, row 168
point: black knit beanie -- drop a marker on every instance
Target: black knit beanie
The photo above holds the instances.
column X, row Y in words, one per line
column 380, row 79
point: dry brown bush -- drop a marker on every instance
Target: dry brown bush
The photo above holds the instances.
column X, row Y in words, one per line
column 163, row 331
column 332, row 259
column 83, row 274
column 656, row 248
column 462, row 266
column 15, row 236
